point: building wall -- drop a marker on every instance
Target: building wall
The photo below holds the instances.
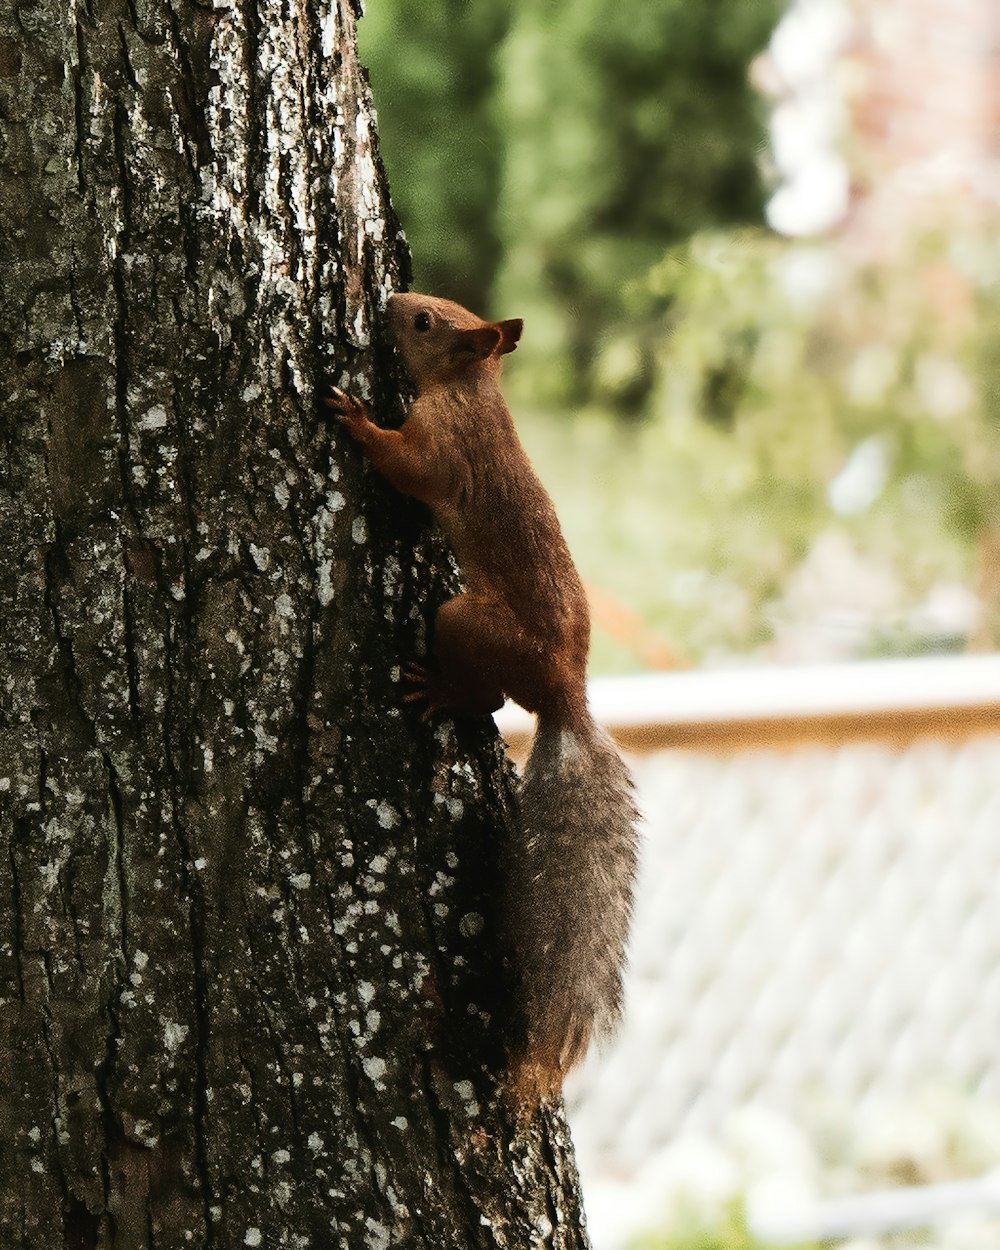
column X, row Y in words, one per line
column 883, row 110
column 927, row 96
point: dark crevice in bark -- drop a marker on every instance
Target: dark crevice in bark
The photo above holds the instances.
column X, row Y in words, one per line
column 64, row 1189
column 256, row 128
column 133, row 13
column 81, row 1228
column 130, row 559
column 58, row 573
column 19, row 836
column 74, row 297
column 461, row 1188
column 193, row 130
column 282, row 1064
column 80, row 111
column 124, row 186
column 178, row 778
column 126, row 60
column 104, row 1071
column 119, row 854
column 54, row 1070
column 121, row 325
column 111, row 1130
column 197, row 933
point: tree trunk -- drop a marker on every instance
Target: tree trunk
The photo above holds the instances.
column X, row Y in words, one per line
column 248, row 943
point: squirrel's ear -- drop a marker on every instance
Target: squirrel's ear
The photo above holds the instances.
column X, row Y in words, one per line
column 473, row 345
column 510, row 332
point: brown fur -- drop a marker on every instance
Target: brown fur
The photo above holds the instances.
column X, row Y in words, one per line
column 520, row 629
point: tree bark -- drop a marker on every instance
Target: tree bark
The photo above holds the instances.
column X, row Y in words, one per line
column 249, row 959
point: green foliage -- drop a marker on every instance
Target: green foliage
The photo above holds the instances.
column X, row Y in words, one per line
column 562, row 145
column 781, row 363
column 729, row 1232
column 433, row 78
column 591, row 165
column 628, row 127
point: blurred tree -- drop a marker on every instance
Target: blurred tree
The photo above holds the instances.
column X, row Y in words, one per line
column 432, row 72
column 629, row 127
column 563, row 146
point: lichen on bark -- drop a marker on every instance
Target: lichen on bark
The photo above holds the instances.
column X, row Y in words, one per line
column 248, row 971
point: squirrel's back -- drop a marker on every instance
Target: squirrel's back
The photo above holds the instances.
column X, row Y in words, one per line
column 500, row 520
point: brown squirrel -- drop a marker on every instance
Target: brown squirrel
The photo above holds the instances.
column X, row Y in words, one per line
column 521, row 628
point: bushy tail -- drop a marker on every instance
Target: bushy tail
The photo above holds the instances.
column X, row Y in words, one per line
column 568, row 901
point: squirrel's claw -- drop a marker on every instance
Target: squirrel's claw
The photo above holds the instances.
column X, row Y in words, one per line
column 344, row 406
column 425, row 690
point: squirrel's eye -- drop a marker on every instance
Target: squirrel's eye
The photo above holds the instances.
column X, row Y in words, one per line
column 421, row 322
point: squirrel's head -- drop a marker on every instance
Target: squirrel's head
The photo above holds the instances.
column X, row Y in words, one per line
column 440, row 340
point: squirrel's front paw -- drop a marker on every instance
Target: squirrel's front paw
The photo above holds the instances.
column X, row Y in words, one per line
column 424, row 689
column 352, row 412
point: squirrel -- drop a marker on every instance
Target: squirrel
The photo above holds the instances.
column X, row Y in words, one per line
column 521, row 628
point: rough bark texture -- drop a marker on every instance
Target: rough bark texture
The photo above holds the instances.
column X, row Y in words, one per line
column 248, row 955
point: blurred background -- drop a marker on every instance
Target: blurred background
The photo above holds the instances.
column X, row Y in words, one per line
column 755, row 246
